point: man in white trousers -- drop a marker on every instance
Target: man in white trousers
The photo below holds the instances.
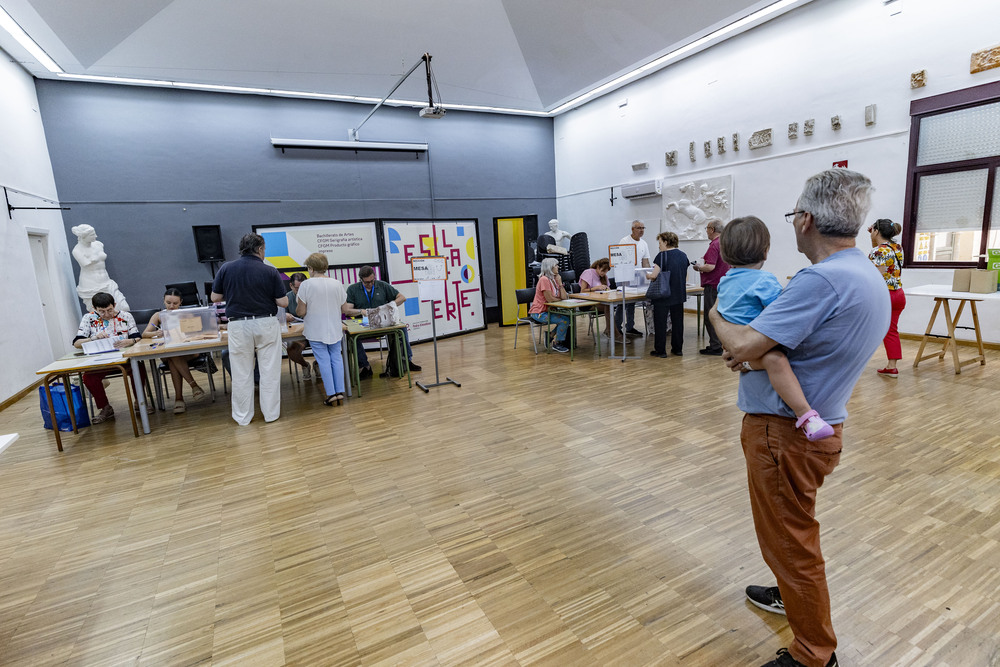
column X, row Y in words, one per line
column 253, row 291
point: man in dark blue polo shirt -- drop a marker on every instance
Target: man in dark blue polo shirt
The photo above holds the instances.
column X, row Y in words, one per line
column 252, row 291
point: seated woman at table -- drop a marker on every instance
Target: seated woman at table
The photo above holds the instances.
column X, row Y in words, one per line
column 321, row 302
column 179, row 371
column 295, row 348
column 548, row 289
column 595, row 279
column 672, row 259
column 105, row 321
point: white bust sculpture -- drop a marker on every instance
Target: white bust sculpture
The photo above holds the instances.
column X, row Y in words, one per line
column 89, row 254
column 557, row 235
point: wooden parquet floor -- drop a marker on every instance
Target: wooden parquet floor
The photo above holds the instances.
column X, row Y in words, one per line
column 545, row 513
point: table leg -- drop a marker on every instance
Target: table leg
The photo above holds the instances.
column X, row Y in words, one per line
column 353, row 354
column 141, row 392
column 47, row 383
column 701, row 331
column 950, row 341
column 979, row 336
column 401, row 356
column 927, row 335
column 612, row 330
column 347, row 367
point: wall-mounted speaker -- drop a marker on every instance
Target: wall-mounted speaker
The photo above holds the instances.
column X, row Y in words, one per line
column 208, row 241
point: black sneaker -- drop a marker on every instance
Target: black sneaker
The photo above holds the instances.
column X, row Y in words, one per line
column 559, row 347
column 785, row 659
column 414, row 367
column 366, row 373
column 711, row 352
column 767, row 598
column 633, row 332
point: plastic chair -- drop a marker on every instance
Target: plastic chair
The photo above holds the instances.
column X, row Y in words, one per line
column 189, row 293
column 526, row 296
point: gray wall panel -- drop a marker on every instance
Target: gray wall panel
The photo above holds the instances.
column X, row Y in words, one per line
column 143, row 165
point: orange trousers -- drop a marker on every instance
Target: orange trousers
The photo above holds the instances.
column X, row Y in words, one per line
column 784, row 470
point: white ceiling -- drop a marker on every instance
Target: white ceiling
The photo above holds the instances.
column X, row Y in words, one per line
column 529, row 55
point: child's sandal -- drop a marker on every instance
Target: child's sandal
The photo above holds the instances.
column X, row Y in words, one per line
column 814, row 426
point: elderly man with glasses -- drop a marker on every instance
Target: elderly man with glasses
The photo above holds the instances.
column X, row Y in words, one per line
column 829, row 320
column 372, row 293
column 641, row 259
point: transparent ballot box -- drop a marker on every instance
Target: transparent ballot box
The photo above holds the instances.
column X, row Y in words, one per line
column 186, row 325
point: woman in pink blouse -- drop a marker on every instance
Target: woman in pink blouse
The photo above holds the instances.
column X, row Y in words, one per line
column 888, row 258
column 548, row 289
column 595, row 279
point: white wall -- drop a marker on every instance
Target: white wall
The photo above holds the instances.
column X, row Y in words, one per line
column 831, row 57
column 25, row 166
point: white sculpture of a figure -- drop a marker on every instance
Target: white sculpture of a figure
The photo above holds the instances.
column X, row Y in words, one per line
column 557, row 235
column 89, row 254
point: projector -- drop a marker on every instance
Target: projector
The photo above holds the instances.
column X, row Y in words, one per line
column 432, row 112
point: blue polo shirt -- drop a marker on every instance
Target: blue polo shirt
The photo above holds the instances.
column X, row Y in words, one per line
column 830, row 318
column 249, row 287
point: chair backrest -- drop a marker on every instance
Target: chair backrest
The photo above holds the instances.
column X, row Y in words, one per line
column 526, row 295
column 574, row 288
column 142, row 317
column 208, row 292
column 567, row 276
column 189, row 293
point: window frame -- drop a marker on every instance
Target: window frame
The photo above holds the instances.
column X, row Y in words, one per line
column 932, row 106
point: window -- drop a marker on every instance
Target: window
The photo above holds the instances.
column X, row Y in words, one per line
column 952, row 215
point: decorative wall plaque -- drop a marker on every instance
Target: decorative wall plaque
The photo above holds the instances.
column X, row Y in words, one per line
column 691, row 151
column 793, row 130
column 918, row 79
column 720, row 144
column 808, row 127
column 835, row 122
column 708, row 149
column 671, row 158
column 736, row 141
column 870, row 115
column 760, row 139
column 984, row 60
column 687, row 205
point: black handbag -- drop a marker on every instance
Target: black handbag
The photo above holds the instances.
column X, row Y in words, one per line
column 659, row 288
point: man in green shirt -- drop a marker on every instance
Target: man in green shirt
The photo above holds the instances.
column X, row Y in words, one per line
column 372, row 293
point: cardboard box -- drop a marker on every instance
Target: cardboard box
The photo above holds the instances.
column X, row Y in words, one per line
column 983, row 281
column 962, row 280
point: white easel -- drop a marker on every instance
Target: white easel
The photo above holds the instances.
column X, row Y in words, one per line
column 623, row 258
column 431, row 276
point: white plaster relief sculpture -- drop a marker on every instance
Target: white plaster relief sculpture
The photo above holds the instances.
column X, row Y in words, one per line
column 736, row 141
column 708, row 149
column 691, row 152
column 720, row 144
column 760, row 139
column 793, row 130
column 870, row 115
column 688, row 205
column 671, row 158
column 808, row 127
column 984, row 60
column 89, row 254
column 835, row 122
column 918, row 79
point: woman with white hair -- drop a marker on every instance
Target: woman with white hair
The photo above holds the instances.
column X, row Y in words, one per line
column 548, row 289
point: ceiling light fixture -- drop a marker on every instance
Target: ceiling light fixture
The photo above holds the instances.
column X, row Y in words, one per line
column 18, row 33
column 676, row 54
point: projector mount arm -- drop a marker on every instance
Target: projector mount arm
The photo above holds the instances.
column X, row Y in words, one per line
column 352, row 133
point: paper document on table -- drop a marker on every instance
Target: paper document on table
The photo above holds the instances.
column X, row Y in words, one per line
column 634, row 291
column 575, row 301
column 99, row 346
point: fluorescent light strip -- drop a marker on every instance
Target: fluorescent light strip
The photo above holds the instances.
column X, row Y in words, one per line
column 18, row 33
column 675, row 54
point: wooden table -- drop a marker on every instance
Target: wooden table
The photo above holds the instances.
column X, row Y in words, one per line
column 70, row 364
column 942, row 294
column 571, row 308
column 154, row 349
column 357, row 331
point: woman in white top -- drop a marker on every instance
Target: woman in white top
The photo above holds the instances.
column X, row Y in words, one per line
column 321, row 302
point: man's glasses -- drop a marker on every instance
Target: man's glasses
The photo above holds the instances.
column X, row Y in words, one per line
column 790, row 217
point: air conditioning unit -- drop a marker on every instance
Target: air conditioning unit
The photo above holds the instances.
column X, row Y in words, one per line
column 641, row 190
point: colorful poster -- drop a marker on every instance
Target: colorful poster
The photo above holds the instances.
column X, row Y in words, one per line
column 462, row 308
column 343, row 243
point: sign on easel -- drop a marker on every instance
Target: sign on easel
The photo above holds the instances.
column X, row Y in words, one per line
column 430, row 273
column 623, row 260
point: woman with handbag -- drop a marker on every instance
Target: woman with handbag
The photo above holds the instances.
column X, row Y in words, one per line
column 668, row 292
column 887, row 255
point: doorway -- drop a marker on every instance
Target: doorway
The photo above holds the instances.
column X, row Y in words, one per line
column 514, row 239
column 38, row 241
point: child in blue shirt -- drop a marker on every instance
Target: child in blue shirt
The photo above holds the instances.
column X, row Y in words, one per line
column 743, row 293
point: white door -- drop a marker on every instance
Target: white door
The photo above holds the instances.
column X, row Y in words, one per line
column 39, row 244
